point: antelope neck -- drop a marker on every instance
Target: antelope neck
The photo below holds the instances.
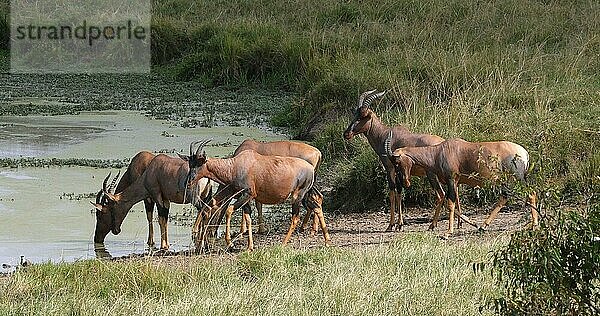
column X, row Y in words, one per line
column 421, row 156
column 132, row 194
column 376, row 133
column 220, row 170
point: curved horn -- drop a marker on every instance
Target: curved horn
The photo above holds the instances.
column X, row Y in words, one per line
column 105, row 182
column 112, row 187
column 362, row 97
column 192, row 144
column 202, row 144
column 388, row 142
column 98, row 197
column 373, row 97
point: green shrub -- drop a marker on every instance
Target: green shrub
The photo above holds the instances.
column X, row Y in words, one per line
column 244, row 54
column 359, row 183
column 554, row 270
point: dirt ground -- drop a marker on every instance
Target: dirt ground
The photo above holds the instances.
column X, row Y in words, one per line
column 364, row 229
column 356, row 230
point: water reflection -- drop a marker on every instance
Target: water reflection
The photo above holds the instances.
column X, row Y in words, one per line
column 34, row 137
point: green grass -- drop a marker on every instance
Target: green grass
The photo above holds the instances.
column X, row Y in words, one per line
column 521, row 70
column 417, row 274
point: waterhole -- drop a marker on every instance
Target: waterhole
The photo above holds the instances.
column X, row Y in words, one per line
column 45, row 211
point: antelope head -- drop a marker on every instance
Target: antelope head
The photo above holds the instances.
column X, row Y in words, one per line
column 104, row 215
column 196, row 162
column 402, row 163
column 362, row 114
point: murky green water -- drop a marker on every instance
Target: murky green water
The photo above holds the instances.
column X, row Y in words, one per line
column 42, row 224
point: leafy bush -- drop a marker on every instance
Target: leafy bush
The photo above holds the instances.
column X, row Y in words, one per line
column 554, row 270
column 360, row 183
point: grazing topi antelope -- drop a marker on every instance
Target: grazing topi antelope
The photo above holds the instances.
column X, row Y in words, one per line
column 104, row 223
column 164, row 181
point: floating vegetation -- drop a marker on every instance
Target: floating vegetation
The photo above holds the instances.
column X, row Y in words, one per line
column 166, row 151
column 71, row 196
column 166, row 134
column 60, row 162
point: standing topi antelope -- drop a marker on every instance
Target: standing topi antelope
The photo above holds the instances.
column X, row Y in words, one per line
column 366, row 122
column 266, row 179
column 163, row 181
column 283, row 148
column 457, row 161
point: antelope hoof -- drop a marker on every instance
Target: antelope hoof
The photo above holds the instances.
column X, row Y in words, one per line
column 261, row 230
column 399, row 227
column 431, row 227
column 390, row 228
column 446, row 236
column 482, row 229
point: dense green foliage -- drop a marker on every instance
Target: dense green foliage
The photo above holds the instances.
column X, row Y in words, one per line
column 554, row 270
column 526, row 71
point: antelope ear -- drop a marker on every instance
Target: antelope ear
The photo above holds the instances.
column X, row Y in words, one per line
column 183, row 157
column 364, row 112
column 395, row 159
column 201, row 158
column 97, row 206
column 110, row 196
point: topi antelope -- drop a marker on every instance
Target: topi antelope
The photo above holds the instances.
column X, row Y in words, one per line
column 266, row 179
column 164, row 181
column 104, row 221
column 366, row 122
column 457, row 161
column 283, row 148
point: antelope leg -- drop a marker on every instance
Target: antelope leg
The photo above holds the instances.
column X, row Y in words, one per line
column 228, row 213
column 242, row 203
column 440, row 195
column 398, row 199
column 451, row 218
column 261, row 220
column 250, row 240
column 392, row 197
column 305, row 220
column 532, row 204
column 321, row 217
column 149, row 206
column 315, row 226
column 163, row 218
column 294, row 223
column 501, row 202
